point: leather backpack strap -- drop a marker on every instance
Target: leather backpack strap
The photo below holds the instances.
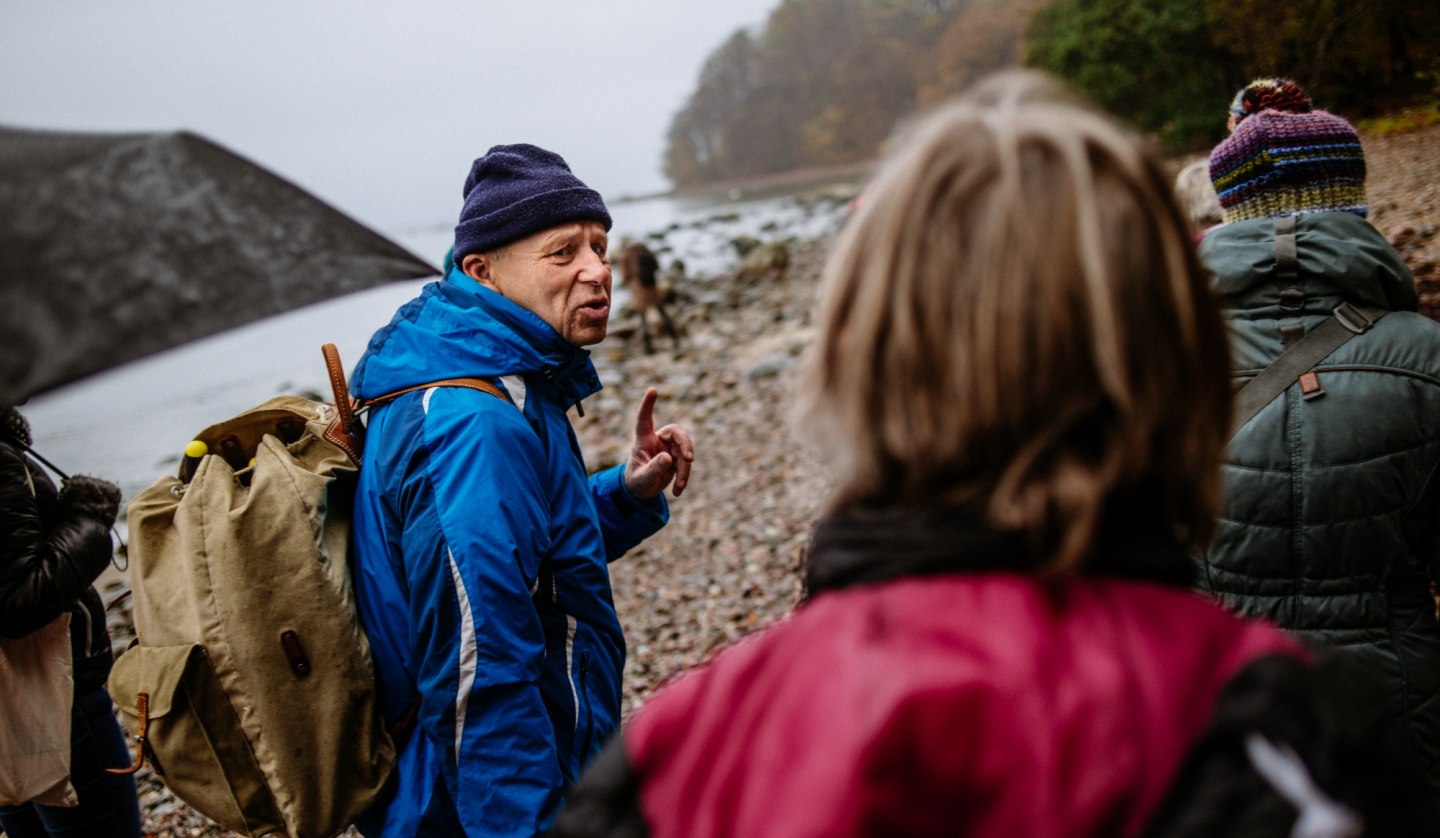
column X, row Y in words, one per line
column 472, row 383
column 346, row 431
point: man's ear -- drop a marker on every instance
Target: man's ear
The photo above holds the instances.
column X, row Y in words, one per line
column 477, row 267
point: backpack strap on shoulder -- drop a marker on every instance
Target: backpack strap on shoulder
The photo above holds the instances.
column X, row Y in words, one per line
column 1302, row 353
column 1297, row 364
column 471, row 383
column 346, row 432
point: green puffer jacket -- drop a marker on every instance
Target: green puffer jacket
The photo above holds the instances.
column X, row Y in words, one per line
column 1331, row 525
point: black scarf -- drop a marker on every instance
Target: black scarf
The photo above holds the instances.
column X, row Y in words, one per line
column 864, row 546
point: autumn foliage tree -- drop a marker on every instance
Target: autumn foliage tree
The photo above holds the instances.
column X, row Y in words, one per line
column 1153, row 62
column 982, row 36
column 826, row 81
column 1352, row 55
column 1171, row 66
column 823, row 84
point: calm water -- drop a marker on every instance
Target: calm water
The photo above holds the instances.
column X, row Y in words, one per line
column 130, row 424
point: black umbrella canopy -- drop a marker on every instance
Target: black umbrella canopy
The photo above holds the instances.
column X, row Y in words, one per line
column 117, row 246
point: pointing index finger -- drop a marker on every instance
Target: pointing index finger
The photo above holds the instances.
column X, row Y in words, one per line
column 645, row 417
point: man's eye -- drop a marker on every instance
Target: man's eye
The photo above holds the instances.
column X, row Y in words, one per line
column 564, row 251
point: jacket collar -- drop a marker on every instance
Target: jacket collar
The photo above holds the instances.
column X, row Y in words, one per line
column 565, row 371
column 457, row 328
column 866, row 546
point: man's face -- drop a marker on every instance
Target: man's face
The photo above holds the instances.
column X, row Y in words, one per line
column 560, row 274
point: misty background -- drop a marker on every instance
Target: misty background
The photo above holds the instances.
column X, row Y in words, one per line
column 377, row 107
column 380, row 107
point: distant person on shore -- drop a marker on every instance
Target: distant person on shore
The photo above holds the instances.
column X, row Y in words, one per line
column 53, row 546
column 1020, row 381
column 1331, row 524
column 481, row 546
column 639, row 273
column 1198, row 201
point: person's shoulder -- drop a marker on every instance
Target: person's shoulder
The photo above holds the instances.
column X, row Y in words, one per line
column 1410, row 323
column 1406, row 340
column 1341, row 224
column 446, row 417
column 472, row 410
column 1235, row 247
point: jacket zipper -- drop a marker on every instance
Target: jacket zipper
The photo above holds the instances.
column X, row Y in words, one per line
column 585, row 700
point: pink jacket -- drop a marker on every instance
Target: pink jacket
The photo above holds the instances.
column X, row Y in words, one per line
column 965, row 704
column 932, row 685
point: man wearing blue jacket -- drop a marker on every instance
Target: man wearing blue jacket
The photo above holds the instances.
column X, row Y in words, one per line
column 481, row 546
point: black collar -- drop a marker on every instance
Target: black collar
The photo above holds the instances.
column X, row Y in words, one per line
column 864, row 546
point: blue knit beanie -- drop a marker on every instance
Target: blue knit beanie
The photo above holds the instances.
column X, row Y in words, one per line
column 516, row 190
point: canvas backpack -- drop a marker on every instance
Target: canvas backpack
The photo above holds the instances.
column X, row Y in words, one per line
column 250, row 687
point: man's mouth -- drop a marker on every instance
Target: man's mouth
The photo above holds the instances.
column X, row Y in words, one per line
column 596, row 311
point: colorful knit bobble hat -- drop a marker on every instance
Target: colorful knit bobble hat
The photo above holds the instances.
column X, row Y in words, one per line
column 1273, row 94
column 516, row 190
column 1280, row 163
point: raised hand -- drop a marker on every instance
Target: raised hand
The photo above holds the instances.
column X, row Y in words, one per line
column 657, row 457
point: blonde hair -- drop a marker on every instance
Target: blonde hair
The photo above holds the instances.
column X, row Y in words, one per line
column 1196, row 194
column 1015, row 321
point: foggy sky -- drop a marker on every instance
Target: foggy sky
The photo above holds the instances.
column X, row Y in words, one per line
column 378, row 107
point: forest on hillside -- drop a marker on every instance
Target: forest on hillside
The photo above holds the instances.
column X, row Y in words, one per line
column 826, row 82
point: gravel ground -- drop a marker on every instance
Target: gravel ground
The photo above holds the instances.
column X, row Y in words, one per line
column 1404, row 193
column 730, row 559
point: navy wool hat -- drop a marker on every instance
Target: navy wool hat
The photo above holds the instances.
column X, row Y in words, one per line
column 516, row 190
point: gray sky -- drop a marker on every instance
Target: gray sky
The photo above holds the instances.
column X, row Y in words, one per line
column 378, row 106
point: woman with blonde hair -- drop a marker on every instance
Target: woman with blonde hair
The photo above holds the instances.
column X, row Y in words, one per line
column 1021, row 383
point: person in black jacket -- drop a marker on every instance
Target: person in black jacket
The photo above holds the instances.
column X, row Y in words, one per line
column 53, row 545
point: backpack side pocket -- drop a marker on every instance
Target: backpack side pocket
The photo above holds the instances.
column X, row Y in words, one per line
column 186, row 728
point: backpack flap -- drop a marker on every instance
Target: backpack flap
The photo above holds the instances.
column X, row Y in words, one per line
column 152, row 672
column 189, row 733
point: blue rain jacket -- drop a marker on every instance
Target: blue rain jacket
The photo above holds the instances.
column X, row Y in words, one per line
column 481, row 551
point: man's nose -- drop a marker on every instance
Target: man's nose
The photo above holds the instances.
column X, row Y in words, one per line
column 594, row 270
